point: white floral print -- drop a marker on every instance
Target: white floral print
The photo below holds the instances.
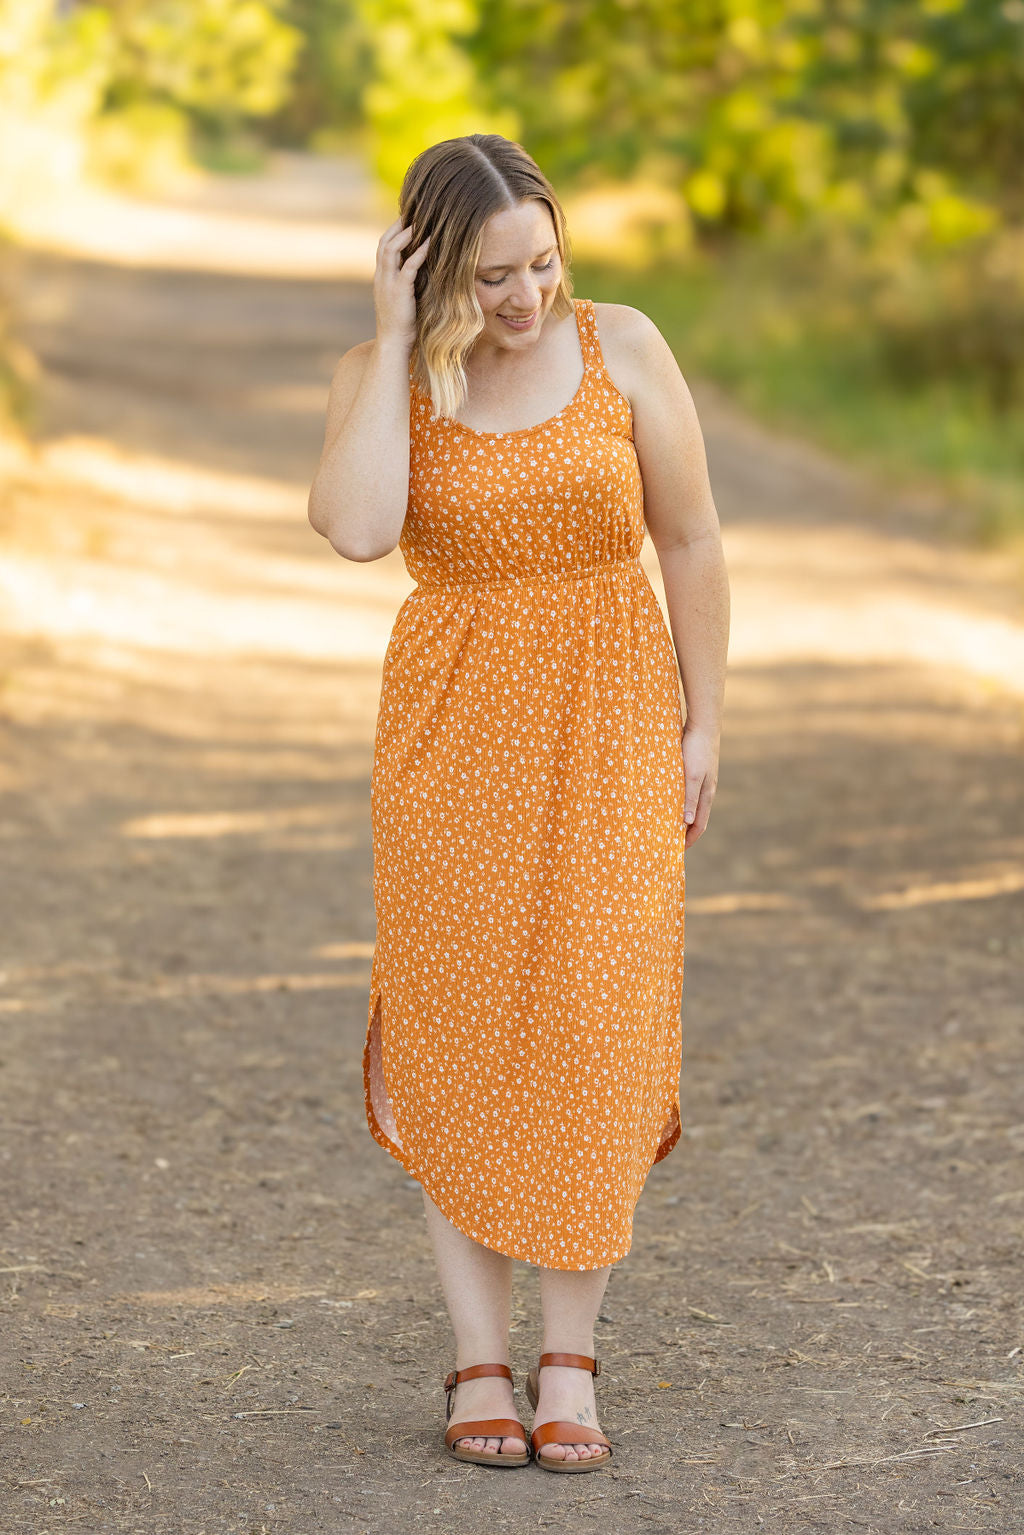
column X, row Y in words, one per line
column 524, row 1034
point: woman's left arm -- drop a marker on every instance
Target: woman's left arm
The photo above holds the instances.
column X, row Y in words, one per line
column 680, row 514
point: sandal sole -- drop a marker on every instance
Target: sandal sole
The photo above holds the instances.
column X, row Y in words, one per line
column 499, row 1462
column 571, row 1467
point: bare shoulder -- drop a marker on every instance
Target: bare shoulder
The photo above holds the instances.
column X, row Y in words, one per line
column 351, row 363
column 636, row 354
column 621, row 322
column 345, row 381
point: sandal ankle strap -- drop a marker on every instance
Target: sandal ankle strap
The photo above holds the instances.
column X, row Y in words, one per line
column 572, row 1362
column 471, row 1372
column 475, row 1372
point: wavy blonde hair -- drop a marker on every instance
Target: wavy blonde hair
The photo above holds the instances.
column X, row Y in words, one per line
column 449, row 192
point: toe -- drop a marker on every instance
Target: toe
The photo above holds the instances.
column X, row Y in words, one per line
column 557, row 1451
column 493, row 1446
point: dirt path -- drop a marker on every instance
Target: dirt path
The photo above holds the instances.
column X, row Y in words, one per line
column 219, row 1311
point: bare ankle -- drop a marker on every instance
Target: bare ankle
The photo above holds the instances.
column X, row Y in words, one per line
column 585, row 1347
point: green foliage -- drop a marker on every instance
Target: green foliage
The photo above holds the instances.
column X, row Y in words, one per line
column 188, row 74
column 19, row 367
column 52, row 78
column 330, row 73
column 424, row 85
column 866, row 157
column 953, row 313
column 811, row 341
column 210, row 57
column 768, row 112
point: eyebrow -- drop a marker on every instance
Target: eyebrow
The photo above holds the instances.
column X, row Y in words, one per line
column 508, row 268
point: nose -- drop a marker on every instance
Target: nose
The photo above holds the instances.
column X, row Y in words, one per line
column 526, row 293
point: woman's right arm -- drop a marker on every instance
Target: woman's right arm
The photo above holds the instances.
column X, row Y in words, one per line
column 361, row 486
column 360, row 490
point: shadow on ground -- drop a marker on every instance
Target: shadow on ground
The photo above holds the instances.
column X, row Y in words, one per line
column 219, row 1313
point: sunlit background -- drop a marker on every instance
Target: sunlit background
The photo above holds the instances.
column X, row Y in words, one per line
column 821, row 204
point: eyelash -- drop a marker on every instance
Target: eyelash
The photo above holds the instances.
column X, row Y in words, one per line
column 496, row 282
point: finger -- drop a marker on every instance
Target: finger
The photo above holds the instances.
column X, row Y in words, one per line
column 416, row 258
column 692, row 800
column 389, row 242
column 700, row 822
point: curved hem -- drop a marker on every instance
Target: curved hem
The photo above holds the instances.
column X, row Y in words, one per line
column 405, row 1162
column 673, row 1138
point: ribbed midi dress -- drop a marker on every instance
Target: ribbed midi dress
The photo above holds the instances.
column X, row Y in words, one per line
column 524, row 1035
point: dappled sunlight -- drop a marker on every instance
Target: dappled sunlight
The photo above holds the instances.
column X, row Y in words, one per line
column 854, row 595
column 741, row 900
column 53, row 986
column 94, row 600
column 105, row 573
column 167, row 484
column 196, row 984
column 615, row 222
column 981, row 888
column 242, row 575
column 221, row 1300
column 86, row 695
column 144, row 990
column 841, row 884
column 226, row 823
column 190, row 681
column 120, row 230
column 344, row 951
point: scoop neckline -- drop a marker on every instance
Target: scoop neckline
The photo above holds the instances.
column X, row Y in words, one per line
column 521, row 431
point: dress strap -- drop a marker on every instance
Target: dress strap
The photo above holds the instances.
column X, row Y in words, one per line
column 586, row 323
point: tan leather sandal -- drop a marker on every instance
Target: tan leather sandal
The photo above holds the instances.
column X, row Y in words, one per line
column 565, row 1433
column 485, row 1428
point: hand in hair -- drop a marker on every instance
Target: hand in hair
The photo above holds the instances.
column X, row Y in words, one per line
column 394, row 295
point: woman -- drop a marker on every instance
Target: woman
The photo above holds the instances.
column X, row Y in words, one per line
column 534, row 785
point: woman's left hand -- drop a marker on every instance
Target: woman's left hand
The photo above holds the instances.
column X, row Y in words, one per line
column 700, row 764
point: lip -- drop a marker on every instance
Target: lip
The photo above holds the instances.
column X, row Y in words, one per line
column 526, row 324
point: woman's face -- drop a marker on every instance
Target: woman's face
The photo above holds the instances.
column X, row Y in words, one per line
column 518, row 273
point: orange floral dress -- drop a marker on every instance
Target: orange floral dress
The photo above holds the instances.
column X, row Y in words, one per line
column 524, row 1037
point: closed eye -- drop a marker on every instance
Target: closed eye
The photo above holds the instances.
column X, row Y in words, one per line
column 496, row 282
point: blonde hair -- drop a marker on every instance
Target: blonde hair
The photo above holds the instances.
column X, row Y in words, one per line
column 449, row 192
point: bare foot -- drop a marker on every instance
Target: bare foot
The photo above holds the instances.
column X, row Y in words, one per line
column 490, row 1396
column 567, row 1395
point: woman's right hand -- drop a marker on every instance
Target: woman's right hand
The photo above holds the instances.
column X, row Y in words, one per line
column 394, row 294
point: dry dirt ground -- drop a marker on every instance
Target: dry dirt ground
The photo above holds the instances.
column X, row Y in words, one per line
column 219, row 1309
